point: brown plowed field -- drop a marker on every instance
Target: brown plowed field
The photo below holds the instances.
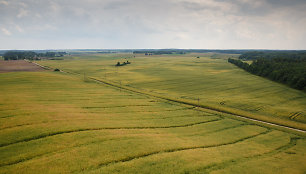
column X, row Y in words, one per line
column 18, row 65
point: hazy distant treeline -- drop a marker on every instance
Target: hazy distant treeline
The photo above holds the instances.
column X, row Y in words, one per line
column 184, row 51
column 158, row 52
column 283, row 69
column 17, row 55
column 253, row 55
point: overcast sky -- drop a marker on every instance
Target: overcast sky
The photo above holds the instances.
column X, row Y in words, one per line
column 201, row 24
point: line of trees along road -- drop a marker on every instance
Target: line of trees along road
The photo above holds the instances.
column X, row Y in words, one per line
column 289, row 71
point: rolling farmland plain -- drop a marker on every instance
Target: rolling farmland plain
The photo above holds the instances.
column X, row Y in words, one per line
column 159, row 114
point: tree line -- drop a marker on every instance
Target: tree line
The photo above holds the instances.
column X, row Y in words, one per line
column 20, row 55
column 185, row 51
column 290, row 71
column 270, row 54
column 158, row 52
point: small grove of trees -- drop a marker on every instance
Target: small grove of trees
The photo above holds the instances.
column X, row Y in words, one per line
column 290, row 71
column 19, row 55
column 122, row 64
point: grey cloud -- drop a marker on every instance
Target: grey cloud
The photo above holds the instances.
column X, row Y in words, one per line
column 286, row 2
column 152, row 24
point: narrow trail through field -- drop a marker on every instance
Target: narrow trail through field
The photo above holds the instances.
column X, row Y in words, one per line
column 127, row 159
column 121, row 87
column 105, row 128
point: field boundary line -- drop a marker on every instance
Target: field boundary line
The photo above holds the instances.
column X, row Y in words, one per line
column 43, row 67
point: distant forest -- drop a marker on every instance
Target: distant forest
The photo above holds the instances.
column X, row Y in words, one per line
column 159, row 52
column 285, row 67
column 253, row 55
column 17, row 55
column 184, row 51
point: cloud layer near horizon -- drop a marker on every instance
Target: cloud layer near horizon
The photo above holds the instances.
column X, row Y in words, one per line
column 210, row 24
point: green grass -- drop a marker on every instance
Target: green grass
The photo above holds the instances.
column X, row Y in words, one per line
column 53, row 122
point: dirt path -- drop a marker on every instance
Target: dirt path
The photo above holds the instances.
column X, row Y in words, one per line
column 18, row 65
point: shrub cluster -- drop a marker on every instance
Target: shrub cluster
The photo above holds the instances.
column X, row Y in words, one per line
column 122, row 64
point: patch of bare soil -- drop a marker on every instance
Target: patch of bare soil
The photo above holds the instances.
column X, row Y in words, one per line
column 18, row 65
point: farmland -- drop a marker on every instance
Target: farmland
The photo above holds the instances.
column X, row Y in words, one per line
column 59, row 122
column 18, row 65
column 209, row 80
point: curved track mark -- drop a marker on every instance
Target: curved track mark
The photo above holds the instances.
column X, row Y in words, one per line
column 107, row 128
column 180, row 149
column 92, row 142
column 219, row 166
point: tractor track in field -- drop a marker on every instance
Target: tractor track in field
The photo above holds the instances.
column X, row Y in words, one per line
column 186, row 103
column 128, row 159
column 149, row 111
column 294, row 115
column 18, row 125
column 109, row 139
column 7, row 116
column 225, row 164
column 149, row 118
column 109, row 107
column 104, row 128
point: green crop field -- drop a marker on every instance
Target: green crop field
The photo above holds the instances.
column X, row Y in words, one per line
column 58, row 122
column 209, row 80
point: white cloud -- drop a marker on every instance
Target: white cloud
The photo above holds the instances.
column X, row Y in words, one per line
column 23, row 4
column 6, row 32
column 156, row 24
column 22, row 13
column 4, row 2
column 18, row 28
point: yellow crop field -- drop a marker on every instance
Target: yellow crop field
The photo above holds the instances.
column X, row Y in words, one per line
column 158, row 114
